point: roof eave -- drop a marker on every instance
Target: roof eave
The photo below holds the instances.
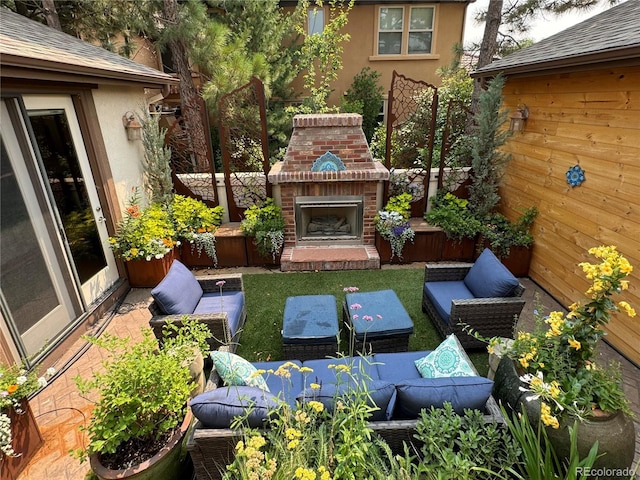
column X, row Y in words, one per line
column 601, row 57
column 151, row 80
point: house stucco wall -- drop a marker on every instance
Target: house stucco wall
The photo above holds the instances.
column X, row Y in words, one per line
column 359, row 51
column 588, row 118
column 125, row 157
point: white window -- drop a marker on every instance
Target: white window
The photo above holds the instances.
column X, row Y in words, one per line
column 315, row 21
column 405, row 30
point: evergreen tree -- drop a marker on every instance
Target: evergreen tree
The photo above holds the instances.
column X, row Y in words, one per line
column 157, row 169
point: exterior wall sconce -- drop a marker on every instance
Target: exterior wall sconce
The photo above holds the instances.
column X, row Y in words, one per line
column 518, row 118
column 132, row 126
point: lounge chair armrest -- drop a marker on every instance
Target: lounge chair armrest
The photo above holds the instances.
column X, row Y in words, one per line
column 218, row 324
column 233, row 283
column 443, row 272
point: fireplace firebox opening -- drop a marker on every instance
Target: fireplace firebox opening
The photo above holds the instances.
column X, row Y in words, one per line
column 329, row 219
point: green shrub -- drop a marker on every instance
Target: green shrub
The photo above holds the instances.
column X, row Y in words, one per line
column 453, row 215
column 266, row 225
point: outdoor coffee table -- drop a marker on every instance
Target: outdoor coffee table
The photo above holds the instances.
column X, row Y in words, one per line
column 310, row 327
column 382, row 323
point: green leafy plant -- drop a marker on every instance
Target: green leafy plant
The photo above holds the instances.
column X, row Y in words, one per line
column 365, row 96
column 143, row 398
column 188, row 334
column 144, row 233
column 463, row 446
column 266, row 225
column 392, row 223
column 538, row 458
column 501, row 234
column 453, row 215
column 557, row 359
column 196, row 223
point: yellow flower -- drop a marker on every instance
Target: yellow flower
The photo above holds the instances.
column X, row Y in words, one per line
column 574, row 343
column 293, row 444
column 524, row 362
column 306, row 370
column 546, row 417
column 292, row 433
column 317, row 406
column 627, row 308
column 315, row 386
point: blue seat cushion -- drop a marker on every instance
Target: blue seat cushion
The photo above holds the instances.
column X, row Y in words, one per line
column 179, row 292
column 230, row 302
column 378, row 394
column 388, row 316
column 361, row 367
column 442, row 293
column 283, row 386
column 218, row 408
column 461, row 392
column 489, row 278
column 310, row 319
column 391, row 365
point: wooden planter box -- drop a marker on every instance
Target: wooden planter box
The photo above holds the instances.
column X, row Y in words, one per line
column 27, row 440
column 147, row 274
column 518, row 261
column 254, row 258
column 189, row 256
column 458, row 251
column 426, row 246
column 231, row 246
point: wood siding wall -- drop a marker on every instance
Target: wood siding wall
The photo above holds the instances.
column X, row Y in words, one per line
column 591, row 118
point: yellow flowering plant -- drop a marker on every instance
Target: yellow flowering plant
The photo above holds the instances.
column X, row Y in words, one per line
column 144, row 233
column 558, row 358
column 312, row 441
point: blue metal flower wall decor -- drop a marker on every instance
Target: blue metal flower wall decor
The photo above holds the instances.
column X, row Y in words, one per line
column 575, row 176
column 328, row 162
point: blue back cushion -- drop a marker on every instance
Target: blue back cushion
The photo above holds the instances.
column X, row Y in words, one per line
column 442, row 293
column 217, row 408
column 359, row 366
column 489, row 278
column 379, row 394
column 389, row 364
column 179, row 292
column 286, row 388
column 461, row 392
column 230, row 302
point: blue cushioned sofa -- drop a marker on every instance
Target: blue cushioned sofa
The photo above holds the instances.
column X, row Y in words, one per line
column 221, row 306
column 483, row 295
column 394, row 383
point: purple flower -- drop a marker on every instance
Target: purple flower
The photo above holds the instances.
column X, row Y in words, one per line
column 367, row 318
column 220, row 283
column 351, row 289
column 355, row 306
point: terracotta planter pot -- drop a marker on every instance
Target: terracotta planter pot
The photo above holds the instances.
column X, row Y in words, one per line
column 168, row 464
column 27, row 440
column 147, row 274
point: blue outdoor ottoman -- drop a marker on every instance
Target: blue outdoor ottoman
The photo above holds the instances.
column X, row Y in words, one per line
column 382, row 323
column 310, row 327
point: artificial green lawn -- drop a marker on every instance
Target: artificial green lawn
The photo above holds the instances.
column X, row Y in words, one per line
column 266, row 295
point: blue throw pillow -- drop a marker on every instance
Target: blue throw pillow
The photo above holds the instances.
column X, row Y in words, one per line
column 217, row 408
column 381, row 393
column 489, row 278
column 445, row 361
column 179, row 292
column 461, row 392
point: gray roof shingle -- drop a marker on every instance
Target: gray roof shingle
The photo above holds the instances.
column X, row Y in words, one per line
column 611, row 35
column 26, row 43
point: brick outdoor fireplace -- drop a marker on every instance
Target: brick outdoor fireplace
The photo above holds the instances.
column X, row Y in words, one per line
column 330, row 188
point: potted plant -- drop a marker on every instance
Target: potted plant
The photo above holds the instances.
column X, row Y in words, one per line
column 556, row 365
column 195, row 225
column 145, row 239
column 392, row 223
column 265, row 224
column 459, row 224
column 20, row 437
column 511, row 242
column 141, row 416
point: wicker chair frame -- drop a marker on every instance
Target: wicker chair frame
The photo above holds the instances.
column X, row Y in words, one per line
column 488, row 317
column 218, row 323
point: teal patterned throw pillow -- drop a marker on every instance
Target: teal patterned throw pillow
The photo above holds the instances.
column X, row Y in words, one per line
column 445, row 361
column 235, row 370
